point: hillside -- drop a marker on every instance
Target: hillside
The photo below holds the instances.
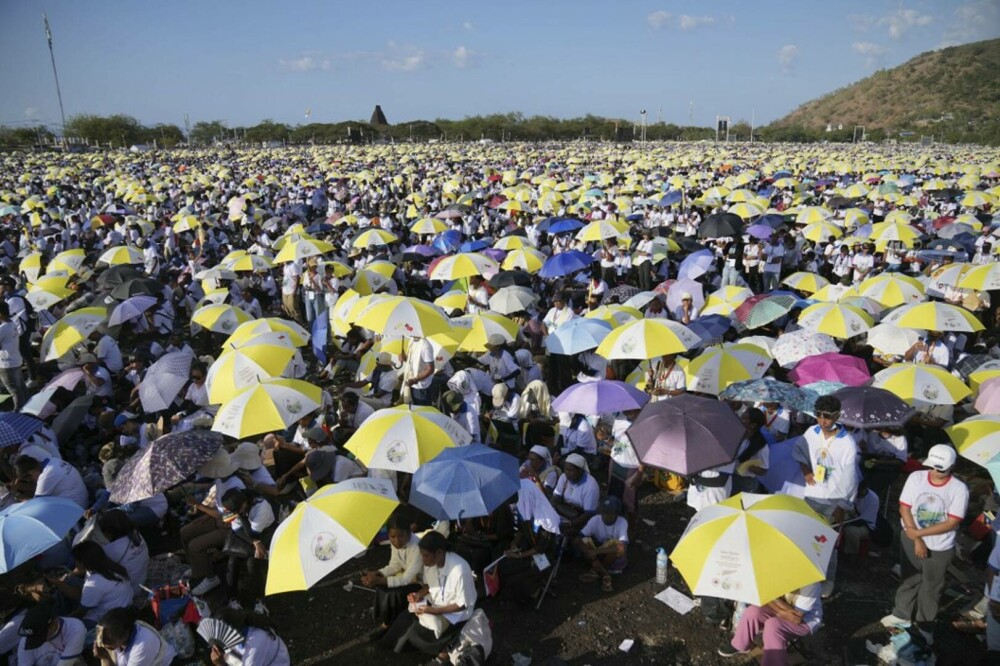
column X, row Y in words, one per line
column 946, row 92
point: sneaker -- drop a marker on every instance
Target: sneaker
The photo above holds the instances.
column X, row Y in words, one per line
column 260, row 609
column 893, row 621
column 206, row 585
column 827, row 590
column 235, row 605
column 730, row 651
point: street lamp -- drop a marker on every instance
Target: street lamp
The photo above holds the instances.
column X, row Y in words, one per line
column 643, row 135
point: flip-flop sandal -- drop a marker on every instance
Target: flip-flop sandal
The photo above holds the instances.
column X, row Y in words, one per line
column 969, row 626
column 606, row 584
column 588, row 577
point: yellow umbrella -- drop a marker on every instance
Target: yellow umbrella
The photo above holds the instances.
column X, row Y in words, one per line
column 298, row 335
column 922, row 383
column 241, row 366
column 892, row 289
column 428, row 225
column 599, row 230
column 31, row 266
column 249, row 263
column 452, row 300
column 121, row 255
column 718, row 367
column 404, row 437
column 934, row 316
column 806, row 282
column 527, row 259
column 614, row 314
column 465, row 264
column 646, row 339
column 402, row 315
column 821, row 231
column 268, row 406
column 836, row 320
column 373, row 238
column 71, row 330
column 508, row 243
column 220, row 318
column 481, row 326
column 68, row 260
column 302, row 249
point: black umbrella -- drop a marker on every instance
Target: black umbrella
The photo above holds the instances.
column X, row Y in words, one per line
column 872, row 407
column 721, row 224
column 116, row 275
column 69, row 418
column 622, row 293
column 839, row 202
column 689, row 245
column 137, row 287
column 516, row 278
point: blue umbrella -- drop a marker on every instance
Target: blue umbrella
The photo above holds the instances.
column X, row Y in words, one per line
column 16, row 427
column 601, row 397
column 670, row 198
column 765, row 389
column 474, row 245
column 448, row 241
column 565, row 263
column 564, row 225
column 465, row 482
column 320, row 227
column 544, row 225
column 761, row 231
column 577, row 335
column 634, row 217
column 695, row 265
column 784, row 474
column 30, row 528
column 420, row 252
column 772, row 220
column 711, row 328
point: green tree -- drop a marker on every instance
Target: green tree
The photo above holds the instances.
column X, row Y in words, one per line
column 267, row 130
column 118, row 130
column 208, row 131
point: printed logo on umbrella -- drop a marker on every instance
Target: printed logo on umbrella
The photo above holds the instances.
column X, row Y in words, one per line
column 293, row 406
column 931, row 392
column 396, row 452
column 324, row 546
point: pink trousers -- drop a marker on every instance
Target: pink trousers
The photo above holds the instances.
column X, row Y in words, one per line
column 777, row 632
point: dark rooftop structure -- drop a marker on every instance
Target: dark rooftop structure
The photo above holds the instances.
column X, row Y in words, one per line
column 378, row 118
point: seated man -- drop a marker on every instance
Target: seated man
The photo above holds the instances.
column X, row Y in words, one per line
column 576, row 495
column 52, row 478
column 796, row 614
column 602, row 542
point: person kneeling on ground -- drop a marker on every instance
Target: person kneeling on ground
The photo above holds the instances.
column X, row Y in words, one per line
column 397, row 579
column 796, row 614
column 602, row 542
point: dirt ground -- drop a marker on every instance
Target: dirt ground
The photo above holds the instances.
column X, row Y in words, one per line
column 578, row 624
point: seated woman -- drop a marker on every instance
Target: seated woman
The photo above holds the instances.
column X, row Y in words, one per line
column 481, row 540
column 262, row 646
column 798, row 614
column 397, row 579
column 123, row 641
column 576, row 495
column 538, row 469
column 105, row 584
column 602, row 542
column 125, row 545
column 439, row 609
column 252, row 521
column 537, row 529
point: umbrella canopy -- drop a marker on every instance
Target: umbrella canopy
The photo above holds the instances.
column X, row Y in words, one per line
column 719, row 225
column 754, row 548
column 330, row 528
column 137, row 287
column 892, row 289
column 241, row 366
column 303, row 248
column 922, row 384
column 711, row 328
column 71, row 330
column 934, row 316
column 892, row 340
column 718, row 367
column 121, row 256
column 512, row 299
column 16, row 427
column 403, row 315
column 221, row 318
column 131, row 308
column 808, row 283
column 164, row 380
column 831, row 367
column 764, row 389
column 481, row 326
column 695, row 265
column 792, row 347
column 510, row 278
column 163, row 464
column 686, row 434
column 298, row 335
column 836, row 320
column 872, row 407
column 982, row 278
column 977, row 438
column 270, row 405
column 644, row 339
column 565, row 263
column 30, row 528
column 577, row 335
column 762, row 309
column 988, row 400
column 462, row 265
column 465, row 482
column 527, row 259
column 403, row 438
column 604, row 396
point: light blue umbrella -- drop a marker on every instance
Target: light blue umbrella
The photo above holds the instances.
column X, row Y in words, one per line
column 565, row 263
column 577, row 335
column 605, row 396
column 696, row 265
column 465, row 482
column 30, row 528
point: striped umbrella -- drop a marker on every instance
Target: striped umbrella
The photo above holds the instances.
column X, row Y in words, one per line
column 762, row 309
column 921, row 383
column 836, row 320
column 934, row 316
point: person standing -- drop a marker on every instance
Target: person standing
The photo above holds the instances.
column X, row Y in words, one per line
column 931, row 507
column 10, row 359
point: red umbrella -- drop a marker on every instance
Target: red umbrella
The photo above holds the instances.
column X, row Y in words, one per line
column 830, row 367
column 943, row 221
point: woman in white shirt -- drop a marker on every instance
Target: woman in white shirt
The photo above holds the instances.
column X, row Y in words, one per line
column 122, row 641
column 125, row 546
column 399, row 578
column 105, row 584
column 262, row 646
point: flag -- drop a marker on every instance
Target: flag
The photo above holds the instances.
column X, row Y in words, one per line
column 308, row 111
column 48, row 32
column 320, row 336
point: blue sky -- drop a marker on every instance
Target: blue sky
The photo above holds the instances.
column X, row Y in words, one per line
column 245, row 61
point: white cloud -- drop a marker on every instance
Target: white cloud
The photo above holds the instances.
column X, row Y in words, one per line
column 973, row 21
column 687, row 22
column 463, row 57
column 32, row 113
column 306, row 63
column 468, row 25
column 901, row 21
column 873, row 53
column 403, row 59
column 788, row 55
column 657, row 19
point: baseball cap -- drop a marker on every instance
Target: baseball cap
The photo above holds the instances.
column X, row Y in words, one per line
column 611, row 505
column 499, row 394
column 941, row 457
column 35, row 626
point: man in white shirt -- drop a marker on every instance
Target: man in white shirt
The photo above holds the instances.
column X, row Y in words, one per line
column 291, row 274
column 931, row 508
column 419, row 372
column 774, row 254
column 10, row 359
column 602, row 542
column 53, row 478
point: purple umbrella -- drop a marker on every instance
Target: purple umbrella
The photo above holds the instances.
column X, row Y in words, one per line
column 687, row 434
column 872, row 407
column 601, row 397
column 696, row 265
column 831, row 367
column 761, row 231
column 163, row 464
column 988, row 400
column 684, row 286
column 495, row 254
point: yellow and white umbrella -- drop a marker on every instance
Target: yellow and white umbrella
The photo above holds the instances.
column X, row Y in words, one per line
column 374, row 238
column 121, row 255
column 481, row 326
column 526, row 259
column 303, row 248
column 220, row 318
column 820, row 232
column 297, row 334
column 31, row 266
column 811, row 214
column 718, row 367
column 599, row 230
column 884, row 232
column 68, row 260
column 615, row 314
column 921, row 383
column 508, row 243
column 808, row 283
column 982, row 278
column 402, row 315
column 465, row 264
column 977, row 438
column 428, row 225
column 70, row 331
column 645, row 339
column 934, row 316
column 455, row 299
column 977, row 199
column 368, row 282
column 892, row 289
column 268, row 406
column 754, row 548
column 726, row 299
column 404, row 437
column 249, row 263
column 187, row 223
column 836, row 320
column 239, row 367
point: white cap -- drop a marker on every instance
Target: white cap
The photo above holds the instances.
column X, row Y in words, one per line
column 941, row 457
column 576, row 460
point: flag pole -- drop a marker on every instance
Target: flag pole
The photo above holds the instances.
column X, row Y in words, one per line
column 55, row 74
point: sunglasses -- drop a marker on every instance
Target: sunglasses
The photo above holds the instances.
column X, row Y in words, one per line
column 828, row 415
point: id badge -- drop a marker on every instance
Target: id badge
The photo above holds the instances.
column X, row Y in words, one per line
column 542, row 562
column 819, row 473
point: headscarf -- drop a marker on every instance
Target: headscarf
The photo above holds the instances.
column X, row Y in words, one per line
column 533, row 505
column 462, row 382
column 536, row 394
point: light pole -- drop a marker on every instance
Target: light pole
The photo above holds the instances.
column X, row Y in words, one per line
column 55, row 74
column 643, row 134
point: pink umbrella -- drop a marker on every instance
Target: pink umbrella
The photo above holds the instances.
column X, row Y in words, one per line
column 830, row 367
column 68, row 379
column 681, row 287
column 988, row 400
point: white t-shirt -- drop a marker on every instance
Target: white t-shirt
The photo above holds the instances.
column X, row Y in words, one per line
column 837, row 482
column 601, row 532
column 61, row 479
column 930, row 504
column 420, row 354
column 451, row 584
column 100, row 595
column 584, row 494
column 65, row 647
column 143, row 649
column 135, row 558
column 263, row 649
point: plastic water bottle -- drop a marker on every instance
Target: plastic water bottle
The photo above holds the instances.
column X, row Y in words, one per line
column 661, row 566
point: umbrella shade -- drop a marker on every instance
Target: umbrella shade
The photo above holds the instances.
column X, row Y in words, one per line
column 403, row 438
column 988, row 400
column 249, row 263
column 604, row 396
column 16, row 427
column 892, row 289
column 131, row 308
column 721, row 225
column 934, row 316
column 448, row 241
column 922, row 384
column 892, row 340
column 577, row 335
column 70, row 331
column 711, row 328
column 261, row 357
column 565, row 263
column 808, row 283
column 831, row 367
column 695, row 265
column 763, row 389
column 297, row 334
column 137, row 287
column 760, row 231
column 269, row 406
column 121, row 256
column 510, row 278
column 465, row 482
column 512, row 299
column 467, row 264
column 982, row 278
column 66, row 422
column 836, row 320
column 718, row 367
column 754, row 548
column 482, row 326
column 792, row 347
column 527, row 259
column 509, row 243
column 977, row 438
column 303, row 248
column 872, row 407
column 164, row 380
column 330, row 528
column 762, row 309
column 598, row 230
column 676, row 290
column 163, row 464
column 453, row 300
column 30, row 528
column 402, row 315
column 686, row 434
column 644, row 339
column 221, row 318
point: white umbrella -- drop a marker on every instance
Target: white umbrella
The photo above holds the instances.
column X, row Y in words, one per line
column 131, row 308
column 164, row 380
column 512, row 299
column 793, row 347
column 892, row 340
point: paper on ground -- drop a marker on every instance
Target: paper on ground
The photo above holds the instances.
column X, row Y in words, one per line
column 679, row 601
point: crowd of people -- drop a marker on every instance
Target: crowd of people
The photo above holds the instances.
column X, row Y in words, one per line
column 114, row 261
